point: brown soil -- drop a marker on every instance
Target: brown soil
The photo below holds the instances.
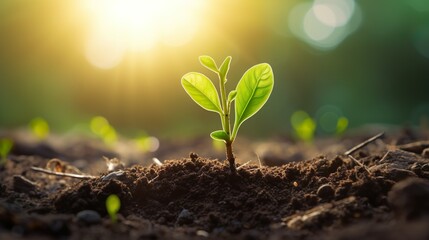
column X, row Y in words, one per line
column 330, row 196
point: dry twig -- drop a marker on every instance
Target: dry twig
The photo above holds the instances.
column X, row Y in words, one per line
column 61, row 174
column 359, row 146
column 363, row 144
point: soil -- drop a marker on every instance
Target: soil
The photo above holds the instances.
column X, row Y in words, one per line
column 381, row 191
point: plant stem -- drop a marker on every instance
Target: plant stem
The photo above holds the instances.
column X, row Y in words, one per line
column 225, row 114
column 230, row 157
column 226, row 125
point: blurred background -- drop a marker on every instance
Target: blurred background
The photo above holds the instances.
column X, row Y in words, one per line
column 340, row 63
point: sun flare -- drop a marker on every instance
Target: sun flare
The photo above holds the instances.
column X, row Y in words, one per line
column 118, row 26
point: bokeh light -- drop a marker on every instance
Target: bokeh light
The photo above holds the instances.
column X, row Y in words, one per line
column 119, row 26
column 66, row 61
column 421, row 40
column 324, row 24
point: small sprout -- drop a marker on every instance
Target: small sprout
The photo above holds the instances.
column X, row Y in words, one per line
column 102, row 128
column 5, row 148
column 303, row 125
column 113, row 204
column 251, row 93
column 146, row 143
column 342, row 125
column 40, row 128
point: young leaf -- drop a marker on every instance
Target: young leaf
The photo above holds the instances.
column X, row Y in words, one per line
column 113, row 204
column 232, row 95
column 224, row 68
column 253, row 91
column 209, row 63
column 220, row 135
column 202, row 91
column 5, row 147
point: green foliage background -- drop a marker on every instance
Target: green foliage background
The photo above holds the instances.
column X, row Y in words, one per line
column 376, row 75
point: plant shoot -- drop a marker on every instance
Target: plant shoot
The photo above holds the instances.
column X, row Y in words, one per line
column 5, row 147
column 251, row 93
column 113, row 204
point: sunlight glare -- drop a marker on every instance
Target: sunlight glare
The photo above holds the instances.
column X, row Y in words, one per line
column 118, row 26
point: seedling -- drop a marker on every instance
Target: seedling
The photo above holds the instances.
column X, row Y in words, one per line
column 102, row 128
column 5, row 147
column 251, row 93
column 113, row 204
column 342, row 124
column 40, row 128
column 303, row 125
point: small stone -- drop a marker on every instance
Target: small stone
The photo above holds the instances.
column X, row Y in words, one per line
column 185, row 217
column 397, row 174
column 202, row 233
column 425, row 167
column 193, row 156
column 325, row 191
column 88, row 217
column 401, row 159
column 425, row 153
column 410, row 198
column 113, row 175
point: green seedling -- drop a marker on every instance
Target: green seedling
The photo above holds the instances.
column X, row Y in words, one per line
column 40, row 128
column 251, row 93
column 113, row 204
column 5, row 147
column 342, row 124
column 102, row 128
column 303, row 125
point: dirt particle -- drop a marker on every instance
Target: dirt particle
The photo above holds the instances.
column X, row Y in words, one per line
column 185, row 217
column 193, row 156
column 425, row 153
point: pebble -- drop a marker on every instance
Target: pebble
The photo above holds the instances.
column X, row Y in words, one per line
column 202, row 233
column 397, row 174
column 410, row 198
column 88, row 217
column 425, row 153
column 113, row 175
column 185, row 217
column 325, row 191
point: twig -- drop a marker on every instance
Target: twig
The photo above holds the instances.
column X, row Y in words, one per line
column 244, row 164
column 61, row 174
column 259, row 160
column 359, row 163
column 153, row 179
column 363, row 144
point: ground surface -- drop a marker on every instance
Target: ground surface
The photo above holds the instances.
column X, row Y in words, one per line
column 299, row 191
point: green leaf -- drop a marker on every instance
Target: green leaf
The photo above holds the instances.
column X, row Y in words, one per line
column 232, row 95
column 113, row 204
column 5, row 147
column 253, row 91
column 209, row 63
column 202, row 91
column 224, row 68
column 220, row 135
